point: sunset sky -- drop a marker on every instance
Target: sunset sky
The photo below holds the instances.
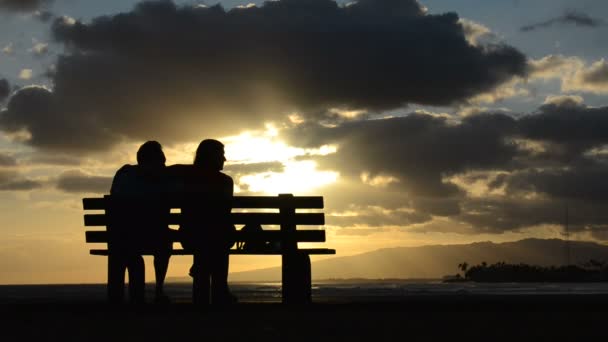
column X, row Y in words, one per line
column 419, row 122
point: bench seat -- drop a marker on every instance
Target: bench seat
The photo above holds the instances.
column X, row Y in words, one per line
column 308, row 251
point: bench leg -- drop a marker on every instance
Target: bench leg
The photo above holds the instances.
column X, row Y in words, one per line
column 116, row 279
column 296, row 279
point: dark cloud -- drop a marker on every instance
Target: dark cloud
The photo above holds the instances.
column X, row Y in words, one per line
column 40, row 159
column 5, row 89
column 596, row 78
column 79, row 182
column 585, row 181
column 599, row 76
column 448, row 206
column 20, row 185
column 23, row 5
column 370, row 216
column 177, row 73
column 418, row 149
column 568, row 18
column 498, row 216
column 569, row 127
column 7, row 160
column 11, row 180
column 36, row 110
column 533, row 164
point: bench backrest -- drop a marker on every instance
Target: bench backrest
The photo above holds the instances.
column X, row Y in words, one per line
column 285, row 216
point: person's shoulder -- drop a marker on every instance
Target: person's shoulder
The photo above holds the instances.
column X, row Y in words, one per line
column 225, row 177
column 126, row 169
column 122, row 179
column 176, row 168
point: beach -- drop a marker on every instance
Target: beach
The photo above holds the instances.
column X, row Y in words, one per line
column 359, row 317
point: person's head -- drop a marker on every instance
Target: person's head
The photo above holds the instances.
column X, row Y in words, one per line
column 150, row 154
column 210, row 155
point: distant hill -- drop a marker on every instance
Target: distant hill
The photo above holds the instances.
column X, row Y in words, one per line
column 437, row 261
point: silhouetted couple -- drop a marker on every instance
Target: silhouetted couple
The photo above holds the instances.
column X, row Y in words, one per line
column 205, row 230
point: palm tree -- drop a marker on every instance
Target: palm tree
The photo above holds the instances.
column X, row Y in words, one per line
column 463, row 267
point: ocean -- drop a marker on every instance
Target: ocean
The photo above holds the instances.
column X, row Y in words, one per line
column 326, row 291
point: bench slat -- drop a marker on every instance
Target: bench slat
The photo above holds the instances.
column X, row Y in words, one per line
column 316, row 251
column 92, row 220
column 244, row 202
column 267, row 235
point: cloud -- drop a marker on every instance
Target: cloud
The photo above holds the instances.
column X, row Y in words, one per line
column 582, row 181
column 8, row 49
column 7, row 160
column 79, row 182
column 570, row 17
column 372, row 216
column 568, row 101
column 5, row 89
column 20, row 185
column 566, row 122
column 507, row 90
column 490, row 171
column 593, row 79
column 416, row 149
column 44, row 16
column 178, row 73
column 554, row 66
column 40, row 49
column 473, row 31
column 23, row 5
column 573, row 72
column 34, row 110
column 243, row 169
column 25, row 74
column 64, row 160
column 11, row 180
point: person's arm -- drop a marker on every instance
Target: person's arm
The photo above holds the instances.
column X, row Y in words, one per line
column 228, row 193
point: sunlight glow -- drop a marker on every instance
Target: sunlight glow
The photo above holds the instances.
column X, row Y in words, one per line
column 298, row 177
column 252, row 147
column 260, row 147
column 380, row 181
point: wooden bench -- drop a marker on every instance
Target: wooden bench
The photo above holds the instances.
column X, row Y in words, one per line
column 296, row 274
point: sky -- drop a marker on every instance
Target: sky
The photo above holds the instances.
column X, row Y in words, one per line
column 419, row 122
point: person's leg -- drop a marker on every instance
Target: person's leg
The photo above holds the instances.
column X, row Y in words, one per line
column 219, row 279
column 137, row 278
column 200, row 279
column 116, row 277
column 161, row 264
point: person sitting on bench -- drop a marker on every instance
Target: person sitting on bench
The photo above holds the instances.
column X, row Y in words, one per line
column 143, row 228
column 206, row 229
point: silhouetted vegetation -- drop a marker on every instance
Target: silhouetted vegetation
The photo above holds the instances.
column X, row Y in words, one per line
column 591, row 271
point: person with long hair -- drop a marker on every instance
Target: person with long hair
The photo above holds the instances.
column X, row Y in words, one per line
column 206, row 229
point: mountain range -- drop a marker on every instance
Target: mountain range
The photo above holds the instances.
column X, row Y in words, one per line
column 436, row 261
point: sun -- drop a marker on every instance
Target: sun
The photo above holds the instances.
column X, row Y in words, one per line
column 298, row 176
